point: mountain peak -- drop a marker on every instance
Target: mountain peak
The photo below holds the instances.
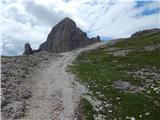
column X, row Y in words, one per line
column 67, row 20
column 65, row 36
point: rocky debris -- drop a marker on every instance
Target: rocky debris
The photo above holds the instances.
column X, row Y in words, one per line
column 127, row 86
column 115, row 41
column 115, row 51
column 15, row 77
column 112, row 49
column 148, row 76
column 97, row 106
column 14, row 110
column 66, row 36
column 148, row 80
column 120, row 52
column 144, row 33
column 122, row 85
column 145, row 73
column 152, row 47
column 27, row 49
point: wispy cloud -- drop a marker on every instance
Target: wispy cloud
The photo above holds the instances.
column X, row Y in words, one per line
column 31, row 20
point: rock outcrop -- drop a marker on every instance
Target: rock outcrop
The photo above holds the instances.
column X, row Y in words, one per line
column 94, row 39
column 27, row 49
column 66, row 36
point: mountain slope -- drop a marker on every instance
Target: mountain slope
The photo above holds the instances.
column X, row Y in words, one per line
column 123, row 79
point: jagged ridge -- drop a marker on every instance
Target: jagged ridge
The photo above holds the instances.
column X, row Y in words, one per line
column 65, row 36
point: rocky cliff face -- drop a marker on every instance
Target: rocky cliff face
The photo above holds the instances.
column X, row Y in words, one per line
column 65, row 36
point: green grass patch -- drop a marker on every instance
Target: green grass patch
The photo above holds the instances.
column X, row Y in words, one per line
column 139, row 42
column 97, row 70
column 88, row 110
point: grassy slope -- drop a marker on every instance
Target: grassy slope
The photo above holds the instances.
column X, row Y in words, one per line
column 97, row 70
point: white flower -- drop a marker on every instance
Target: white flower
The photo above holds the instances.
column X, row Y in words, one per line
column 127, row 117
column 155, row 89
column 110, row 111
column 148, row 92
column 106, row 105
column 132, row 118
column 118, row 98
column 147, row 113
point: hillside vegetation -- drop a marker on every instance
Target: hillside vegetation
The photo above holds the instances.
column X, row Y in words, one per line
column 123, row 79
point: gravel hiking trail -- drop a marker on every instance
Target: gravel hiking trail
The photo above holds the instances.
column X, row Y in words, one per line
column 55, row 92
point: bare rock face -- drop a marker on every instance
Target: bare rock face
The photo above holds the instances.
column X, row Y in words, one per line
column 65, row 36
column 27, row 49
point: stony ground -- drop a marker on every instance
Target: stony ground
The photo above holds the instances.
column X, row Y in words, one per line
column 16, row 73
column 37, row 87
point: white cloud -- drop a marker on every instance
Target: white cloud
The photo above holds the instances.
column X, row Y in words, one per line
column 31, row 20
column 43, row 15
column 18, row 34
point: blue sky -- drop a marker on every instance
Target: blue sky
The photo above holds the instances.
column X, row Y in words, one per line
column 150, row 11
column 141, row 3
column 147, row 11
column 31, row 20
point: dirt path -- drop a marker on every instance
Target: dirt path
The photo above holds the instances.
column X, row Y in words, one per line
column 55, row 93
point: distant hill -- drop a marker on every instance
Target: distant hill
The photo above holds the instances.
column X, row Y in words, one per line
column 145, row 32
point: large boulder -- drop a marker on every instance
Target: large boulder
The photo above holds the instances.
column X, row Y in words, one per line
column 65, row 36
